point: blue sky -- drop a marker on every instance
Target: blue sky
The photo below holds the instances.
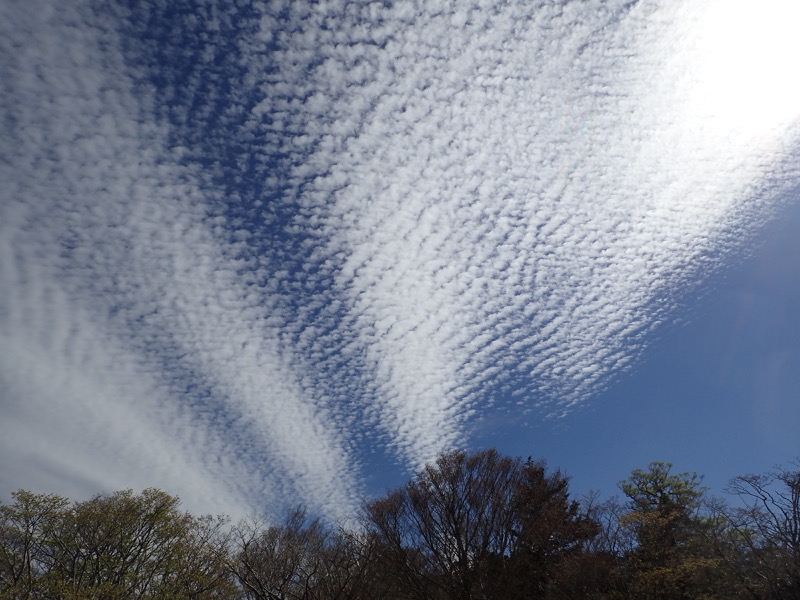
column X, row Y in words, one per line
column 262, row 254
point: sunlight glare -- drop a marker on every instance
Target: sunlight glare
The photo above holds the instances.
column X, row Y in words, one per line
column 745, row 76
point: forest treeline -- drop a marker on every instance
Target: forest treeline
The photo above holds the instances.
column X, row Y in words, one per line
column 470, row 526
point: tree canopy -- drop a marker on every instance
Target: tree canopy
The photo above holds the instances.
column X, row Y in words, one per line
column 476, row 525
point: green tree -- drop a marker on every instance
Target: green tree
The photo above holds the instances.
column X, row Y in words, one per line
column 118, row 546
column 24, row 557
column 671, row 558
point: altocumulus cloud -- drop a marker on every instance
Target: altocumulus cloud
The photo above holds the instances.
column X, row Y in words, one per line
column 244, row 247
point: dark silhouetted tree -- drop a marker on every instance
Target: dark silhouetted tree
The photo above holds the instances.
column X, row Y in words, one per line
column 768, row 531
column 302, row 559
column 478, row 526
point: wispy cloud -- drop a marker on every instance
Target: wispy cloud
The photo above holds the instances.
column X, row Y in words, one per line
column 242, row 248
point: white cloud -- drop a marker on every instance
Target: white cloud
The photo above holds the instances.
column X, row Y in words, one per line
column 520, row 192
column 130, row 329
column 247, row 247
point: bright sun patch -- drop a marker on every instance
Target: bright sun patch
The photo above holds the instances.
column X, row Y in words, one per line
column 744, row 64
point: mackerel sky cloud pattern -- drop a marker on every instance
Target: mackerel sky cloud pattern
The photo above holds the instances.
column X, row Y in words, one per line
column 244, row 249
